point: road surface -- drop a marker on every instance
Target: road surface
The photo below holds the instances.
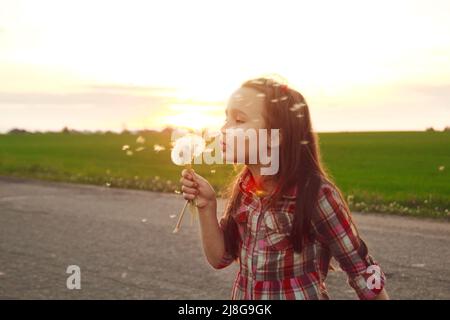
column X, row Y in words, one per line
column 123, row 243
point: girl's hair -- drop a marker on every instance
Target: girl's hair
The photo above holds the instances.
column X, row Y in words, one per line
column 300, row 161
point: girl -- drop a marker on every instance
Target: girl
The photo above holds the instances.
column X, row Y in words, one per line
column 282, row 229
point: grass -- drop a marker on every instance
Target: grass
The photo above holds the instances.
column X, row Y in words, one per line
column 389, row 172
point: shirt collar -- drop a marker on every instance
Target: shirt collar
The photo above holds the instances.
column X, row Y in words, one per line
column 247, row 186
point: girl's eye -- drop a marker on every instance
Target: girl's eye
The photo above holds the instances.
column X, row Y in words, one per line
column 240, row 121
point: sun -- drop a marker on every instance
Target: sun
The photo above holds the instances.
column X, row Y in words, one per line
column 195, row 117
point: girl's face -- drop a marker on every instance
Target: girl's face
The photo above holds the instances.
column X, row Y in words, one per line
column 244, row 111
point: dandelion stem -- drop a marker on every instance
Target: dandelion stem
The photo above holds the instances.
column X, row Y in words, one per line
column 180, row 218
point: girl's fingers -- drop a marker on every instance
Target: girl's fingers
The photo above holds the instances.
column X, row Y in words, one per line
column 188, row 196
column 186, row 174
column 188, row 183
column 189, row 190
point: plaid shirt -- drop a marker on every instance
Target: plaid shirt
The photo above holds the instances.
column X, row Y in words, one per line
column 269, row 267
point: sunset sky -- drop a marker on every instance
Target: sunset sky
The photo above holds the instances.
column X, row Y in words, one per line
column 107, row 65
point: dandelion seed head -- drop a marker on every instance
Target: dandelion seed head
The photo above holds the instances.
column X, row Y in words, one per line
column 441, row 168
column 125, row 147
column 186, row 148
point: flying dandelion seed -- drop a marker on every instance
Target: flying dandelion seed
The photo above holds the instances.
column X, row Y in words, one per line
column 140, row 139
column 441, row 168
column 108, row 184
column 172, row 216
column 304, row 141
column 213, row 171
column 156, row 178
column 144, row 220
column 238, row 97
column 274, row 100
column 261, row 95
column 300, row 116
column 158, row 148
column 123, row 275
column 297, row 106
column 283, row 98
column 139, row 149
column 177, row 191
column 125, row 147
column 129, row 153
column 257, row 82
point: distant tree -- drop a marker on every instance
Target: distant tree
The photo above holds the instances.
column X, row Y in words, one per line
column 446, row 129
column 430, row 129
column 167, row 130
column 17, row 131
column 65, row 130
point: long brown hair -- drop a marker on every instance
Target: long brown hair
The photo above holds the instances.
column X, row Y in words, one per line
column 300, row 161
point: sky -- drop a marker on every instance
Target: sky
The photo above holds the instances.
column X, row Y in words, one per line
column 110, row 65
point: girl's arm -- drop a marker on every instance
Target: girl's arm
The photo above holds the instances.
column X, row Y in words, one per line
column 335, row 229
column 195, row 186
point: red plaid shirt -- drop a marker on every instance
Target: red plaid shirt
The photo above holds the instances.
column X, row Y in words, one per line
column 269, row 267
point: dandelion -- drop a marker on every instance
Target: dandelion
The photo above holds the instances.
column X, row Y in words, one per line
column 140, row 139
column 185, row 149
column 125, row 147
column 441, row 168
column 158, row 148
column 139, row 149
column 129, row 153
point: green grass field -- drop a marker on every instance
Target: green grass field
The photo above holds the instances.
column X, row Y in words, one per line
column 391, row 172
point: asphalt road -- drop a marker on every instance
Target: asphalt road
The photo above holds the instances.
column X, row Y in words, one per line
column 123, row 243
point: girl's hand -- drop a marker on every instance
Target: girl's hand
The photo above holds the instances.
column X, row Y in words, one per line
column 195, row 186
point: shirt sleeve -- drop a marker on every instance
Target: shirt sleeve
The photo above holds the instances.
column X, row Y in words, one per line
column 226, row 259
column 335, row 228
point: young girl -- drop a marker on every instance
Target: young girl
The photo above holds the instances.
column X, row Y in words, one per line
column 282, row 229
